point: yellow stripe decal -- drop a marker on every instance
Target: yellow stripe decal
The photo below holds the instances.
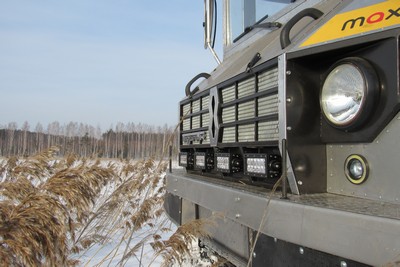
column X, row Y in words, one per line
column 357, row 21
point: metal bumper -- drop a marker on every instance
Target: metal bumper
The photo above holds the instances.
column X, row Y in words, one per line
column 361, row 230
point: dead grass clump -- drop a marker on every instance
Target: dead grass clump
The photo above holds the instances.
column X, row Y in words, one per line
column 33, row 231
column 53, row 210
column 178, row 247
column 42, row 201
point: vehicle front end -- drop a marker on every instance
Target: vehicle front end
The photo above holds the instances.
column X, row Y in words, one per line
column 307, row 94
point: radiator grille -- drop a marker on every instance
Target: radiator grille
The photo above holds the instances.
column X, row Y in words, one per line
column 252, row 116
column 245, row 111
column 194, row 129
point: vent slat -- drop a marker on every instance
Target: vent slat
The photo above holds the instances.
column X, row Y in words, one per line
column 228, row 94
column 229, row 135
column 246, row 110
column 246, row 87
column 195, row 122
column 205, row 119
column 246, row 133
column 228, row 114
column 186, row 109
column 268, row 131
column 204, row 102
column 268, row 80
column 196, row 106
column 268, row 105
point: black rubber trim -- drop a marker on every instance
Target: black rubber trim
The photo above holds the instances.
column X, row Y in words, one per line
column 308, row 12
column 190, row 83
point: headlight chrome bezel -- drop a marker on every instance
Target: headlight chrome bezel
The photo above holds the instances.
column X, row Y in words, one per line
column 369, row 95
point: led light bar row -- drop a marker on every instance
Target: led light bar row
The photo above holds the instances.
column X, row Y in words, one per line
column 260, row 165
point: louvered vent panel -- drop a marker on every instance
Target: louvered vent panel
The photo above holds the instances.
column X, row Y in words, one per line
column 228, row 114
column 196, row 106
column 195, row 122
column 204, row 102
column 205, row 118
column 186, row 124
column 268, row 105
column 229, row 135
column 262, row 107
column 268, row 131
column 246, row 110
column 246, row 87
column 268, row 80
column 186, row 109
column 246, row 133
column 228, row 94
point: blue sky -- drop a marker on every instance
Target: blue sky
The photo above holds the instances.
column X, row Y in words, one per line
column 98, row 62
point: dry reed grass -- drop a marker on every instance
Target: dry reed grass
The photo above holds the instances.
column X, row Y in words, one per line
column 53, row 209
column 176, row 249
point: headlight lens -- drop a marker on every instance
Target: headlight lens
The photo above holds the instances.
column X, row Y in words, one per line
column 348, row 93
column 356, row 169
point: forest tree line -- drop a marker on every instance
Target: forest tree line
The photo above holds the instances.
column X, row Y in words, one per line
column 122, row 141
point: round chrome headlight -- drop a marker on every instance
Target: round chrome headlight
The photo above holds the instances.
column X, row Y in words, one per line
column 349, row 93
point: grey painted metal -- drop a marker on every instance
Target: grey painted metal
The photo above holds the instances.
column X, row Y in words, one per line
column 282, row 120
column 382, row 155
column 361, row 230
column 229, row 234
column 188, row 211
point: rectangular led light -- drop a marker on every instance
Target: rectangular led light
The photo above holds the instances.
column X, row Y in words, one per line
column 223, row 162
column 183, row 159
column 200, row 160
column 256, row 164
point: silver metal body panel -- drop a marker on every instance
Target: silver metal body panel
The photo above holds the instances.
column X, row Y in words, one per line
column 382, row 155
column 362, row 230
column 282, row 121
